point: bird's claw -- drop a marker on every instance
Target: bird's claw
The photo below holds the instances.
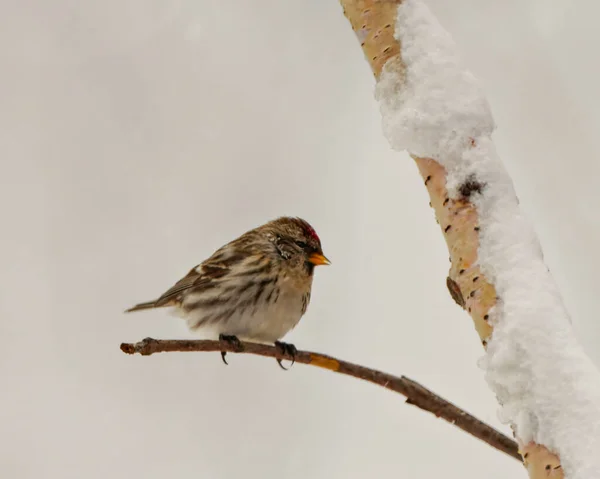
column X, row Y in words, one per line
column 287, row 349
column 232, row 341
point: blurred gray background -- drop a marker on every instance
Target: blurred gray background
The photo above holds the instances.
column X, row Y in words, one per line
column 137, row 136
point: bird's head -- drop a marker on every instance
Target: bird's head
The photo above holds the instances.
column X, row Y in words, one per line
column 297, row 241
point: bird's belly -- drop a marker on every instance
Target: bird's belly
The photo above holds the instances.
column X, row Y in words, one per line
column 268, row 323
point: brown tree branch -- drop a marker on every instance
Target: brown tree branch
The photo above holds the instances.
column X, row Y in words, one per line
column 415, row 394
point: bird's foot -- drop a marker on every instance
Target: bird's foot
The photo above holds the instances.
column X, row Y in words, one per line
column 232, row 341
column 288, row 349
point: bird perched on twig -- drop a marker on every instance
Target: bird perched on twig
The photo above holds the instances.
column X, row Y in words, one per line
column 255, row 288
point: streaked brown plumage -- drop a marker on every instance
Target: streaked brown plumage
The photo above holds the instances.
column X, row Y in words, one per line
column 255, row 288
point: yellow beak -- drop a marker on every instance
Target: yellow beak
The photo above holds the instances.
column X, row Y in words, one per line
column 318, row 259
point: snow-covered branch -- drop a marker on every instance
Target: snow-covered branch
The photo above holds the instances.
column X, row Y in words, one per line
column 549, row 390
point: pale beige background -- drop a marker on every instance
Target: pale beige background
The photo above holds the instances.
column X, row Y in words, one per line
column 136, row 136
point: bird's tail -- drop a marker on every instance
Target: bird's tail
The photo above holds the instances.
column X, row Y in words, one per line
column 147, row 305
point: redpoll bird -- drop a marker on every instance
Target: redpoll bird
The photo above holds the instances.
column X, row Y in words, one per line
column 255, row 288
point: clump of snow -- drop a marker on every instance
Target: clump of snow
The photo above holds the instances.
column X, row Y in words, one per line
column 548, row 388
column 438, row 105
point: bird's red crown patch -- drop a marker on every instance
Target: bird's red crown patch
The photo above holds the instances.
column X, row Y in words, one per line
column 308, row 229
column 312, row 233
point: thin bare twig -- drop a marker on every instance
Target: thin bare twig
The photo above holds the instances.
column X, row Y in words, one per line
column 416, row 394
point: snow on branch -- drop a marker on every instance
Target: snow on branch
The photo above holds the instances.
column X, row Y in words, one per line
column 549, row 390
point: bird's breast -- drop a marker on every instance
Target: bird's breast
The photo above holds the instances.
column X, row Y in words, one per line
column 264, row 309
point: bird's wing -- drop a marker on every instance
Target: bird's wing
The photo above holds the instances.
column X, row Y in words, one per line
column 200, row 277
column 203, row 276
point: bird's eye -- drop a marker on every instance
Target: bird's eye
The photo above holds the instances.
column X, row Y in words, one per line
column 302, row 244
